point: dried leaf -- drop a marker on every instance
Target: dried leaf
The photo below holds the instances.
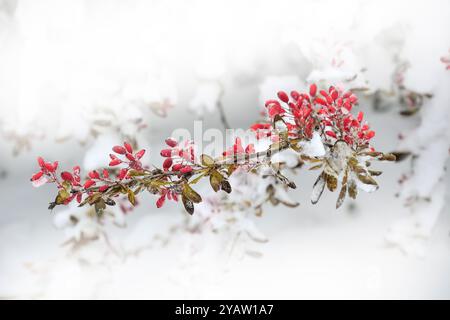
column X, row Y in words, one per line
column 316, row 167
column 341, row 197
column 231, row 169
column 388, row 157
column 352, row 189
column 215, row 179
column 110, row 202
column 400, row 156
column 100, row 207
column 225, row 185
column 191, row 194
column 135, row 173
column 131, row 197
column 62, row 196
column 188, row 205
column 206, row 160
column 331, row 182
column 93, row 198
column 318, row 188
column 367, row 179
column 375, row 173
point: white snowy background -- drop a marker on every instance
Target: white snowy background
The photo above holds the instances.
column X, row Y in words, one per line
column 77, row 77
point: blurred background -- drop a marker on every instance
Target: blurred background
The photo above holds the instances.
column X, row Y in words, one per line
column 77, row 77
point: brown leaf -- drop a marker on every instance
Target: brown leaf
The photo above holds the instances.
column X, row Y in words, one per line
column 375, row 173
column 131, row 197
column 62, row 196
column 401, row 155
column 215, row 179
column 367, row 179
column 225, row 185
column 318, row 188
column 388, row 157
column 331, row 182
column 100, row 207
column 206, row 160
column 188, row 205
column 135, row 173
column 352, row 189
column 341, row 197
column 190, row 194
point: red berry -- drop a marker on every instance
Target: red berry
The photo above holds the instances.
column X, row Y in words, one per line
column 94, row 175
column 321, row 101
column 89, row 183
column 171, row 142
column 370, row 135
column 186, row 169
column 167, row 163
column 66, row 176
column 166, row 153
column 177, row 167
column 331, row 134
column 37, row 176
column 334, row 94
column 119, row 150
column 312, row 90
column 122, row 174
column 103, row 188
column 115, row 162
column 160, row 201
column 295, row 95
column 105, row 173
column 41, row 162
column 128, row 147
column 283, row 96
column 130, row 157
column 360, row 116
column 49, row 167
column 140, row 154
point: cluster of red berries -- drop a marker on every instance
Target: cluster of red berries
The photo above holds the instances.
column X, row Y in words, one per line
column 329, row 110
column 132, row 160
column 178, row 158
column 238, row 149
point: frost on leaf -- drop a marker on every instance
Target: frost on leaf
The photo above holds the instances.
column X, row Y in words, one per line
column 318, row 188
